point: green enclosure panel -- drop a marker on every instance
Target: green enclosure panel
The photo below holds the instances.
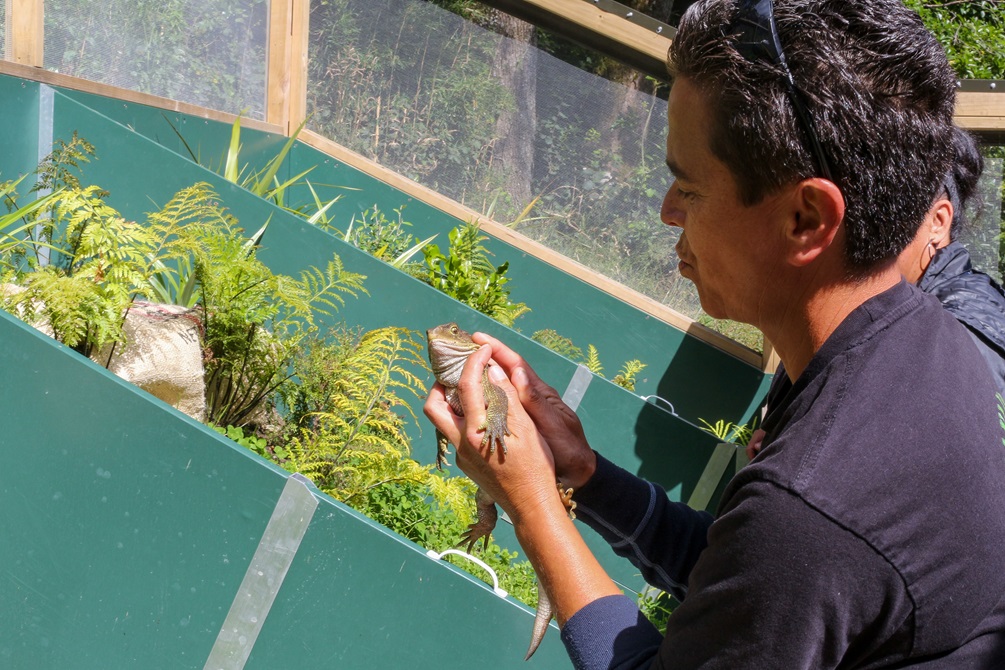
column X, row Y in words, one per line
column 19, row 108
column 128, row 529
column 207, row 140
column 139, row 172
column 700, row 381
column 130, row 520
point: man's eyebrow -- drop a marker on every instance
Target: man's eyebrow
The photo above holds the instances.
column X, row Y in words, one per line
column 676, row 170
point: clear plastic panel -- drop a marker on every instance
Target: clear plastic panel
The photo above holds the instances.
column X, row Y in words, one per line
column 206, row 53
column 566, row 157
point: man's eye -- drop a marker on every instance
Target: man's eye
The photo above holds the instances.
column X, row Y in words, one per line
column 687, row 195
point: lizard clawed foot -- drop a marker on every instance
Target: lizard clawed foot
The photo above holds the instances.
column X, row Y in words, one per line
column 566, row 496
column 494, row 436
column 442, row 445
column 484, row 524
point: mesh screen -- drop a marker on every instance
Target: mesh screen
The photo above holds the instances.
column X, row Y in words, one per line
column 206, row 53
column 564, row 156
column 985, row 217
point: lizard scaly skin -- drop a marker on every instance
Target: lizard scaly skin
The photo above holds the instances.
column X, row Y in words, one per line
column 449, row 348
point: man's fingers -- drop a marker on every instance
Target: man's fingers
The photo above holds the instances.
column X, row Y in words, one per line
column 438, row 411
column 504, row 356
column 530, row 388
column 469, row 387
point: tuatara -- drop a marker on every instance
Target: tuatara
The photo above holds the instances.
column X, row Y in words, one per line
column 449, row 348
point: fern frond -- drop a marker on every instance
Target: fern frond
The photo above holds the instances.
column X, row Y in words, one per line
column 593, row 360
column 626, row 377
column 560, row 344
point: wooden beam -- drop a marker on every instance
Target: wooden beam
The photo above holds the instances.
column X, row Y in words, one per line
column 588, row 24
column 533, row 248
column 286, row 85
column 87, row 86
column 982, row 113
column 24, row 32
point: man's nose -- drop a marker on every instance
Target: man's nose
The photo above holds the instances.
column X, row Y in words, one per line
column 670, row 213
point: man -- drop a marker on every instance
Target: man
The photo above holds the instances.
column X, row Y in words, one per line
column 807, row 140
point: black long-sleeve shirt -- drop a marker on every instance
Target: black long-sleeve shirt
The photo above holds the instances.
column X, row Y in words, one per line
column 868, row 533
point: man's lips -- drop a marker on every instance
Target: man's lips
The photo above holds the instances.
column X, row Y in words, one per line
column 683, row 258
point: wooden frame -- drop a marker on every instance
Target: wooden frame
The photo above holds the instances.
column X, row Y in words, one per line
column 286, row 83
column 982, row 113
column 24, row 31
column 589, row 24
column 86, row 86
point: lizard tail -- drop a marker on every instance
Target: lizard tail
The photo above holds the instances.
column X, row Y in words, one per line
column 541, row 620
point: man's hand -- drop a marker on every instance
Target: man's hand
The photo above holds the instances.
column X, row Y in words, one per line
column 561, row 429
column 520, row 478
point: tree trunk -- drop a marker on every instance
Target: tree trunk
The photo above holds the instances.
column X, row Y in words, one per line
column 631, row 79
column 516, row 128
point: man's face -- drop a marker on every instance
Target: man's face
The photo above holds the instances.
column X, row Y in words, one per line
column 727, row 249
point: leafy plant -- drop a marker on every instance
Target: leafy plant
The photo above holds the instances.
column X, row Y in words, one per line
column 18, row 227
column 727, row 431
column 254, row 320
column 249, row 441
column 344, row 433
column 79, row 263
column 468, row 275
column 264, row 182
column 387, row 240
column 657, row 606
column 626, row 376
column 973, row 34
column 562, row 345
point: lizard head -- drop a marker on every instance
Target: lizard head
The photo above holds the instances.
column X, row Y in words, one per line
column 449, row 347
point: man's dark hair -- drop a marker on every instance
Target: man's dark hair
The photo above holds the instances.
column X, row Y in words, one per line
column 880, row 92
column 961, row 181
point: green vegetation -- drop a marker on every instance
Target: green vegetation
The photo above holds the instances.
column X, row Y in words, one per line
column 973, row 34
column 591, row 359
column 727, row 431
column 467, row 275
column 331, row 403
column 79, row 264
column 208, row 53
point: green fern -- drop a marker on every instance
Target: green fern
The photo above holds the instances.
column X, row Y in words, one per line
column 95, row 267
column 345, row 416
column 727, row 431
column 559, row 344
column 592, row 360
column 58, row 169
column 254, row 320
column 467, row 275
column 626, row 378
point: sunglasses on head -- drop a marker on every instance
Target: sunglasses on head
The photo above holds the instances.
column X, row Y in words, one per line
column 757, row 40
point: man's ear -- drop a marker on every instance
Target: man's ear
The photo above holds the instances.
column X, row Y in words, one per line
column 817, row 214
column 940, row 218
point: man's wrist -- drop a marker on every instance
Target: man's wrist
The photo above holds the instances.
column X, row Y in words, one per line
column 580, row 471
